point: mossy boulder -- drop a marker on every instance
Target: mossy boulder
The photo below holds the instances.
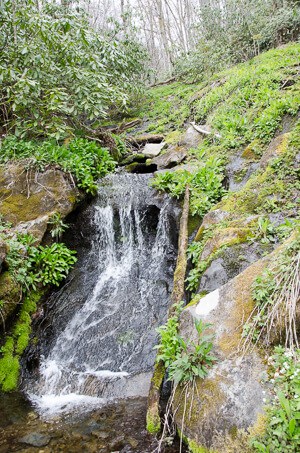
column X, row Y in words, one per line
column 211, row 218
column 224, row 237
column 232, row 396
column 173, row 156
column 29, row 197
column 227, row 264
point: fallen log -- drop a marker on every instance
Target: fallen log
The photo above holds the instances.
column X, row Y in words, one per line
column 146, row 138
column 165, row 82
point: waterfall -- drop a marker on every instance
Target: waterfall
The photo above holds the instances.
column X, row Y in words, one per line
column 105, row 349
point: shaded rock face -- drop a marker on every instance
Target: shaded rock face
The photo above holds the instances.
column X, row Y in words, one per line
column 28, row 197
column 232, row 396
column 232, row 262
column 191, row 138
column 238, row 171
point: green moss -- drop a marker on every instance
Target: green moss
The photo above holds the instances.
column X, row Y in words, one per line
column 153, row 423
column 16, row 344
column 272, row 188
column 138, row 157
column 193, row 223
column 158, row 375
column 173, row 137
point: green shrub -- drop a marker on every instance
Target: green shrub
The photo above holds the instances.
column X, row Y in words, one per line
column 58, row 73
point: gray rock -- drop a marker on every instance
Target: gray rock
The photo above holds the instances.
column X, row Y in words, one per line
column 172, row 157
column 153, row 149
column 191, row 138
column 238, row 171
column 232, row 262
column 35, row 439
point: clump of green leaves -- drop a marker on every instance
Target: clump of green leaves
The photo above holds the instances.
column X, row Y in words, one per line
column 185, row 360
column 83, row 158
column 50, row 265
column 58, row 227
column 283, row 426
column 205, row 184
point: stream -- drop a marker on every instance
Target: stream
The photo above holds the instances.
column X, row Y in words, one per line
column 85, row 384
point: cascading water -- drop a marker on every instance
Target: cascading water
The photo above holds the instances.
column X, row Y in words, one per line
column 105, row 317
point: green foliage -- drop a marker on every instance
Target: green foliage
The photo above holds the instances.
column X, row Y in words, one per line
column 57, row 73
column 194, row 358
column 50, row 265
column 205, row 184
column 83, row 158
column 247, row 101
column 283, row 428
column 167, row 107
column 185, row 361
column 32, row 266
column 237, row 32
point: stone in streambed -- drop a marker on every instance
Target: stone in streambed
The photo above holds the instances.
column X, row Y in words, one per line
column 35, row 439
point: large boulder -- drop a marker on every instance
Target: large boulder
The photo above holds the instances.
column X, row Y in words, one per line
column 29, row 197
column 232, row 397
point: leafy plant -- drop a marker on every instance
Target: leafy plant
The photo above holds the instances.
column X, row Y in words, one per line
column 184, row 360
column 58, row 227
column 205, row 184
column 50, row 265
column 283, row 427
column 195, row 358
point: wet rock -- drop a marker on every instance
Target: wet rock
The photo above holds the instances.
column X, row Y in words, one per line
column 172, row 157
column 35, row 439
